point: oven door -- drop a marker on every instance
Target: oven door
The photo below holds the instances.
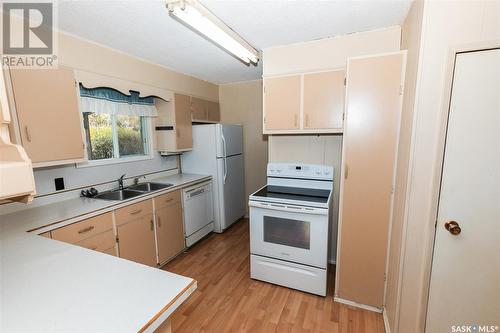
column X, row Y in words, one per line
column 293, row 233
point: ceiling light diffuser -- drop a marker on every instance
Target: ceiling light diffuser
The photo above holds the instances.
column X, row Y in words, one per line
column 201, row 20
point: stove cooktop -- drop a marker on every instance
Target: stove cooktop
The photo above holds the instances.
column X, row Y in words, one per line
column 293, row 194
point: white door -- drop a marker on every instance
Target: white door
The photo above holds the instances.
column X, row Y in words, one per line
column 465, row 278
column 231, row 190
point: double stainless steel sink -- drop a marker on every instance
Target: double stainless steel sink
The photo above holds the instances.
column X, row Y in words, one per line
column 132, row 191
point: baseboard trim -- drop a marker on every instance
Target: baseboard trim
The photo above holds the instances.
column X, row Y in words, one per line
column 357, row 305
column 386, row 321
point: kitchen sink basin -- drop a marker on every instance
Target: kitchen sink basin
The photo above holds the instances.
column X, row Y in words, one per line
column 118, row 195
column 148, row 187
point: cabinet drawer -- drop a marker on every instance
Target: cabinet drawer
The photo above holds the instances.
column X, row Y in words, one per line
column 79, row 231
column 167, row 199
column 111, row 251
column 101, row 242
column 125, row 214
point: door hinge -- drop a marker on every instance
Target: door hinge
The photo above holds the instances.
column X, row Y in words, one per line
column 117, row 239
column 401, row 89
column 343, row 116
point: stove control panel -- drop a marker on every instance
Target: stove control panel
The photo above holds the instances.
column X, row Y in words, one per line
column 300, row 170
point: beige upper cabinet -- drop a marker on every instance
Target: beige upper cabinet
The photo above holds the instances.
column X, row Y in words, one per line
column 199, row 109
column 174, row 131
column 304, row 103
column 369, row 155
column 213, row 111
column 324, row 100
column 136, row 235
column 169, row 225
column 282, row 103
column 204, row 111
column 49, row 119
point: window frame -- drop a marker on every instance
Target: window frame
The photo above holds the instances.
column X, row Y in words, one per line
column 147, row 126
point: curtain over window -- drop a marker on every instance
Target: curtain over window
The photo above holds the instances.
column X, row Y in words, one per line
column 112, row 102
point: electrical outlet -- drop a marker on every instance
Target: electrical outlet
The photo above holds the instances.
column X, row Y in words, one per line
column 59, row 183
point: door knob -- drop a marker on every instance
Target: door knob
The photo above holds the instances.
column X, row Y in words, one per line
column 453, row 227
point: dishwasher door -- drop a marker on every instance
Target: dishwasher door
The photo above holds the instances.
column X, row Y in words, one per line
column 198, row 212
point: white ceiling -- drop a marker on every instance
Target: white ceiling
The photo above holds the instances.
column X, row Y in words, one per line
column 144, row 29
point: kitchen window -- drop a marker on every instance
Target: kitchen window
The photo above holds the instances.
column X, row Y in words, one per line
column 117, row 126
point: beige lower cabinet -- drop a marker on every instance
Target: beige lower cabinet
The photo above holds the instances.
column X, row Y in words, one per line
column 370, row 147
column 138, row 237
column 169, row 225
column 95, row 233
column 135, row 233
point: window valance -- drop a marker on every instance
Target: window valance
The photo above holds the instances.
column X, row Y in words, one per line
column 111, row 101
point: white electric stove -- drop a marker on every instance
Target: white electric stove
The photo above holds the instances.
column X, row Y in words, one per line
column 289, row 226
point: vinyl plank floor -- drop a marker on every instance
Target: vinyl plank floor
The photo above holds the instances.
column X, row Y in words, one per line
column 227, row 300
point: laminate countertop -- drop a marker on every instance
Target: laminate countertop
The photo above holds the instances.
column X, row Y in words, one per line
column 51, row 286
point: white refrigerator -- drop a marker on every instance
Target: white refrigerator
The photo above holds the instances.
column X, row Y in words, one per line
column 218, row 151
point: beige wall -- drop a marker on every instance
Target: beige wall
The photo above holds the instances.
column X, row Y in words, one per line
column 313, row 149
column 241, row 103
column 91, row 57
column 328, row 53
column 410, row 40
column 446, row 24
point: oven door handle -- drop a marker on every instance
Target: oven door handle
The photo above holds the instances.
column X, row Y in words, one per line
column 288, row 208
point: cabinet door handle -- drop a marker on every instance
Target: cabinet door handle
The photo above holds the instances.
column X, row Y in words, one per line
column 84, row 230
column 135, row 212
column 152, row 226
column 28, row 134
column 169, row 200
column 158, row 219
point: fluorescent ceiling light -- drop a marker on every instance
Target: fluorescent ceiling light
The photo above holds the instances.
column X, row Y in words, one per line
column 202, row 21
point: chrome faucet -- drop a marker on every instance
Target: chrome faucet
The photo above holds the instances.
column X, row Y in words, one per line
column 120, row 182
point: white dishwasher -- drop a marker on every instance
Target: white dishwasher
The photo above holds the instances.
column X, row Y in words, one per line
column 198, row 211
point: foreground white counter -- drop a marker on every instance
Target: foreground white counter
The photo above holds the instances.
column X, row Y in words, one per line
column 50, row 286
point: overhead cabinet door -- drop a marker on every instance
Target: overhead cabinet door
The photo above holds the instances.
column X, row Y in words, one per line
column 324, row 100
column 369, row 147
column 282, row 103
column 48, row 114
column 183, row 126
column 199, row 109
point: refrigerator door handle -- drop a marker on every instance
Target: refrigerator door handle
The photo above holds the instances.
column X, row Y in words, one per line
column 225, row 155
